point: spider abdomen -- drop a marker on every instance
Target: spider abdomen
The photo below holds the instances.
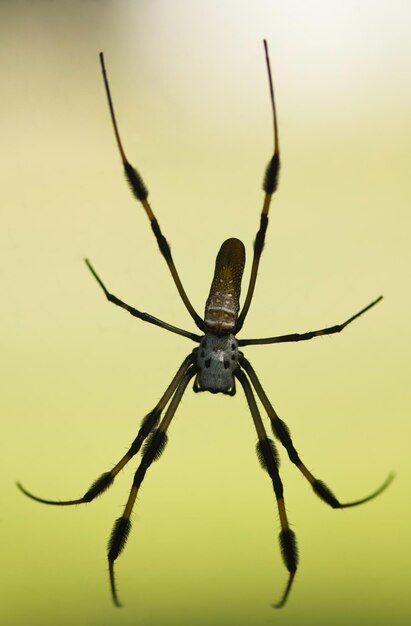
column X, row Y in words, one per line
column 217, row 358
column 223, row 303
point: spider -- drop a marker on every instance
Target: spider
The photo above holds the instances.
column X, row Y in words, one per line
column 215, row 365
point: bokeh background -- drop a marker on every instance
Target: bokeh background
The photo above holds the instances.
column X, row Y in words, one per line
column 77, row 374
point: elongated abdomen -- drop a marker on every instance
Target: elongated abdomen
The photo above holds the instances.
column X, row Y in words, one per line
column 223, row 303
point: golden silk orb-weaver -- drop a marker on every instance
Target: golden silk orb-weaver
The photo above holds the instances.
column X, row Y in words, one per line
column 215, row 364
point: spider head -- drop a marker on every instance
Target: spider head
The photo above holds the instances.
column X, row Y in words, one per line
column 217, row 358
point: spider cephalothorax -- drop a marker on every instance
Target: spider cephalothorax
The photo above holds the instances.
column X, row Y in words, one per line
column 217, row 359
column 215, row 365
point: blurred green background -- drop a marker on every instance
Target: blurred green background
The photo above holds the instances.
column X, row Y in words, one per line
column 190, row 87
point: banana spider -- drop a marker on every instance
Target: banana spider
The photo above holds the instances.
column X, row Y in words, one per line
column 215, row 365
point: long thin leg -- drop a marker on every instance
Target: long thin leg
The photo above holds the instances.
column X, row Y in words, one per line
column 330, row 330
column 268, row 457
column 151, row 452
column 149, row 422
column 269, row 186
column 281, row 431
column 140, row 191
column 146, row 317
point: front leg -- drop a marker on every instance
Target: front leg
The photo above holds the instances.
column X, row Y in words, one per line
column 330, row 330
column 146, row 317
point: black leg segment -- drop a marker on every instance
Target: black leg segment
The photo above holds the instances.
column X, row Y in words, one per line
column 152, row 451
column 281, row 431
column 140, row 191
column 146, row 317
column 148, row 424
column 269, row 186
column 268, row 457
column 330, row 330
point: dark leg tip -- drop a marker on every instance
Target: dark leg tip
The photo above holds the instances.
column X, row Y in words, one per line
column 286, row 593
column 113, row 587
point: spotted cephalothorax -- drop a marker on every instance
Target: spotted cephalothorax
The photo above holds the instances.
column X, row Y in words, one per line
column 214, row 365
column 217, row 359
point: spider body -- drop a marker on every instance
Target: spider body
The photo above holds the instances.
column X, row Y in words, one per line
column 217, row 357
column 215, row 365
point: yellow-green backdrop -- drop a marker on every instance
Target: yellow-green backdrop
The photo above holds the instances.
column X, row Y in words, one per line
column 77, row 374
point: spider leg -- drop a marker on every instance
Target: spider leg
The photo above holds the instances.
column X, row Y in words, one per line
column 146, row 317
column 151, row 452
column 149, row 422
column 330, row 330
column 281, row 431
column 268, row 457
column 140, row 191
column 269, row 186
